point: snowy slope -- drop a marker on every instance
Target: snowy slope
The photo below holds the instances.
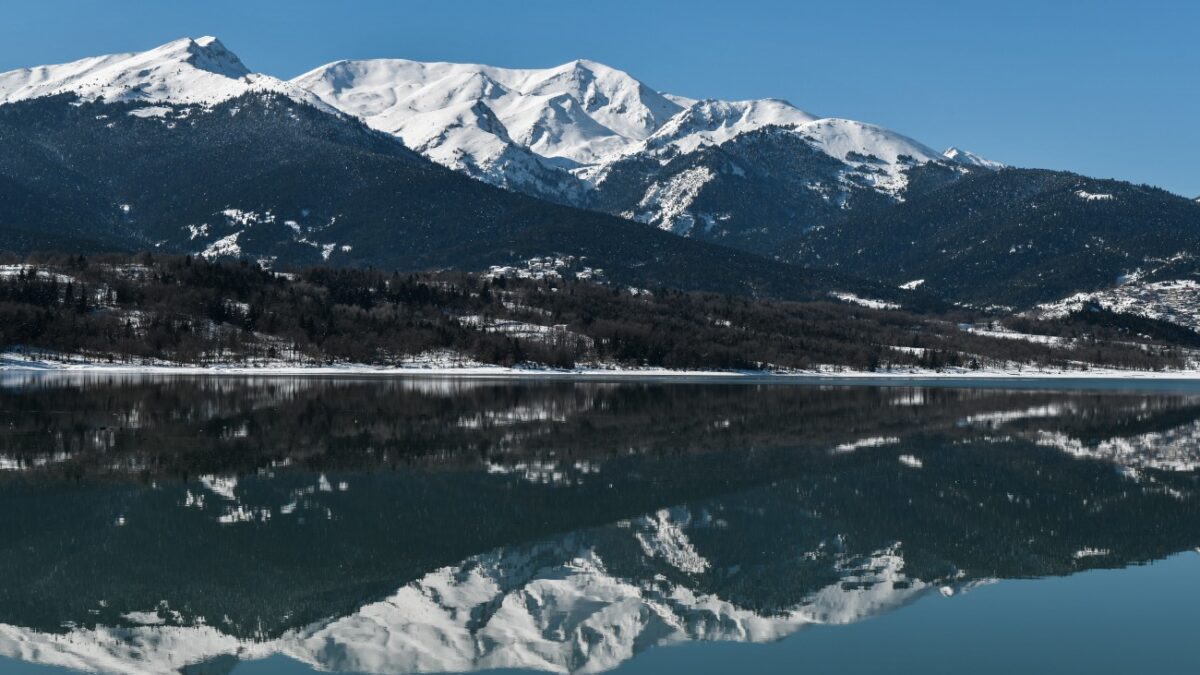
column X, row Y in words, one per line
column 468, row 137
column 867, row 146
column 577, row 113
column 579, row 119
column 773, row 174
column 714, row 122
column 1173, row 300
column 187, row 71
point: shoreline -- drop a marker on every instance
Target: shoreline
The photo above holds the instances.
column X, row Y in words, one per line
column 1096, row 378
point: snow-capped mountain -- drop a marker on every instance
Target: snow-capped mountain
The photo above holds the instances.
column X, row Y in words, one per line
column 267, row 178
column 576, row 114
column 764, row 176
column 187, row 71
column 581, row 134
column 590, row 135
column 521, row 129
column 578, row 117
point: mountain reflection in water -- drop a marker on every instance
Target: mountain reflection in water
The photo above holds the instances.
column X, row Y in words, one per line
column 159, row 525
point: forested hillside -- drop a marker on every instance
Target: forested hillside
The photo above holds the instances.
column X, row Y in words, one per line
column 170, row 309
column 1013, row 237
column 265, row 178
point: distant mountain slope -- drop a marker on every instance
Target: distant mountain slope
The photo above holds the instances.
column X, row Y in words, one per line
column 1015, row 237
column 265, row 177
column 763, row 187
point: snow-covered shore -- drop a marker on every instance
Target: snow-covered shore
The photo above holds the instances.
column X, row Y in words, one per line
column 13, row 362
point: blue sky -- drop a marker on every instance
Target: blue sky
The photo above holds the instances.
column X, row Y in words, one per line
column 1103, row 88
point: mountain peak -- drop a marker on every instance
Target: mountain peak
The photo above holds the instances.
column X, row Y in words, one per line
column 185, row 71
column 205, row 53
column 968, row 158
column 586, row 64
column 210, row 51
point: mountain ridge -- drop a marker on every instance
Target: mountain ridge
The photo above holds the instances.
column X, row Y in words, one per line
column 387, row 92
column 582, row 139
column 266, row 178
column 185, row 71
column 561, row 133
column 554, row 133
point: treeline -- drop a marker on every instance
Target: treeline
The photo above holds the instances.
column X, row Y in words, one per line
column 196, row 311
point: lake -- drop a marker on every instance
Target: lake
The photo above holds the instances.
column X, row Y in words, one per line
column 255, row 525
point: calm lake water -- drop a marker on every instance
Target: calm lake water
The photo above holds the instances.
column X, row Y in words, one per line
column 205, row 525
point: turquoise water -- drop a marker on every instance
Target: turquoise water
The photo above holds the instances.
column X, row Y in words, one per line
column 259, row 525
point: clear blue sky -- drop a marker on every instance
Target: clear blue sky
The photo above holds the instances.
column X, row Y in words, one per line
column 1107, row 89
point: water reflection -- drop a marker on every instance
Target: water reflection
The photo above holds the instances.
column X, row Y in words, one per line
column 397, row 526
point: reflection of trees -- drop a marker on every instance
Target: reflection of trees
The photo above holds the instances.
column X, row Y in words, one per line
column 164, row 427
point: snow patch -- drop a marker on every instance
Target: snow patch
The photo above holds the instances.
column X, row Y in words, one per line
column 155, row 111
column 225, row 246
column 967, row 158
column 665, row 204
column 863, row 302
column 1176, row 301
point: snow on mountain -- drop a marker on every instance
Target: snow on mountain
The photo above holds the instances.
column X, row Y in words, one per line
column 468, row 137
column 712, row 122
column 593, row 136
column 577, row 113
column 967, row 158
column 665, row 204
column 187, row 71
column 1174, row 300
column 575, row 117
column 860, row 142
column 580, row 118
column 558, row 133
column 880, row 155
column 868, row 157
